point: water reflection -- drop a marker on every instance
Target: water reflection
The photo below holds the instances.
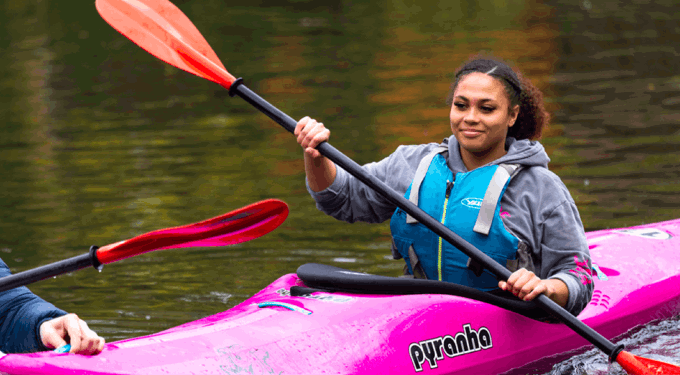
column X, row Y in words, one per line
column 617, row 87
column 103, row 142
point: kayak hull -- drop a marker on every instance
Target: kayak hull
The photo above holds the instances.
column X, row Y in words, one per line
column 349, row 333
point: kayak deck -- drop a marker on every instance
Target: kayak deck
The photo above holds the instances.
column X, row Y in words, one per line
column 324, row 332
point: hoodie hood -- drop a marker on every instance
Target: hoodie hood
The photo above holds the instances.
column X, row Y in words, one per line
column 524, row 152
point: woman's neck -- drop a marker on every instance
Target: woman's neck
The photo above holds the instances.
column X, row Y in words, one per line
column 475, row 160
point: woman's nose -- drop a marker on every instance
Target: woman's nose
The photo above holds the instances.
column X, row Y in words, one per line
column 471, row 115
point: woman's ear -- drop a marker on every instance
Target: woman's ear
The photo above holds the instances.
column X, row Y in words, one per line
column 514, row 112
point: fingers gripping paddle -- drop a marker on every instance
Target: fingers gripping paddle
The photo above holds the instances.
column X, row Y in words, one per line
column 238, row 226
column 163, row 30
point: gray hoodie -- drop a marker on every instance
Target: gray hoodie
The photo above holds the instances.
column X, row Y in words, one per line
column 540, row 210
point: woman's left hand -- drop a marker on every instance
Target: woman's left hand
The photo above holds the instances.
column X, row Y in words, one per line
column 526, row 286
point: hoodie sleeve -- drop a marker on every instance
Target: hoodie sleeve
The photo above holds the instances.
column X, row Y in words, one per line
column 350, row 200
column 543, row 214
column 21, row 314
column 565, row 255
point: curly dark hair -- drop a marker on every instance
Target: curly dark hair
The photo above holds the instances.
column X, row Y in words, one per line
column 532, row 117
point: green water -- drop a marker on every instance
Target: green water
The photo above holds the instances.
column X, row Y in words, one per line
column 102, row 142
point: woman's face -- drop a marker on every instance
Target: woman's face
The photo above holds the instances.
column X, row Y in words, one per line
column 480, row 118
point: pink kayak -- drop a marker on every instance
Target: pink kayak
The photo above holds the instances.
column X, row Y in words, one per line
column 327, row 320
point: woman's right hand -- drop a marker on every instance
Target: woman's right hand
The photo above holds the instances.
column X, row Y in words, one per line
column 69, row 329
column 309, row 134
column 320, row 171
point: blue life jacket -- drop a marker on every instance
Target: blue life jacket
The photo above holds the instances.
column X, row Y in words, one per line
column 469, row 205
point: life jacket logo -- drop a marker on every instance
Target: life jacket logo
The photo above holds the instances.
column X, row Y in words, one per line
column 475, row 203
column 433, row 350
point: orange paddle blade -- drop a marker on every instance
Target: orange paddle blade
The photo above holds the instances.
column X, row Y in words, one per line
column 238, row 226
column 160, row 28
column 644, row 366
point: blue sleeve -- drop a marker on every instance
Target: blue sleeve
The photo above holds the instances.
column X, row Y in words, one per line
column 21, row 313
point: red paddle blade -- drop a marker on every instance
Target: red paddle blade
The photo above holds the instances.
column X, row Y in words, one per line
column 238, row 226
column 644, row 366
column 160, row 28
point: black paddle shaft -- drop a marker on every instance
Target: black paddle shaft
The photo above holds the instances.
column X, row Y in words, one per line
column 53, row 269
column 238, row 88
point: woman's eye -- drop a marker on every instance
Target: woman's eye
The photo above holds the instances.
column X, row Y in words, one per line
column 460, row 105
column 488, row 109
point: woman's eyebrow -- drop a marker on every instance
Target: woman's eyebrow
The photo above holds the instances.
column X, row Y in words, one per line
column 483, row 100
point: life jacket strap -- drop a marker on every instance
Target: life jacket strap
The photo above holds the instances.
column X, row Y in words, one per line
column 420, row 176
column 416, row 266
column 492, row 196
column 524, row 259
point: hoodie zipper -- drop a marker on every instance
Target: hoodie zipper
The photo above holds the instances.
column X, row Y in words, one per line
column 449, row 187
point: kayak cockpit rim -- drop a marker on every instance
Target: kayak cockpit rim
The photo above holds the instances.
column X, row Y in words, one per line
column 321, row 277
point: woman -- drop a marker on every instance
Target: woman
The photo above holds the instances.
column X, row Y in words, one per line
column 30, row 324
column 489, row 159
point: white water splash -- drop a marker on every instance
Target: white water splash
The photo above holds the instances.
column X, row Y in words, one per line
column 659, row 341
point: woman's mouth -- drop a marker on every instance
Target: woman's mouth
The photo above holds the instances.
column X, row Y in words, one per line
column 470, row 133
